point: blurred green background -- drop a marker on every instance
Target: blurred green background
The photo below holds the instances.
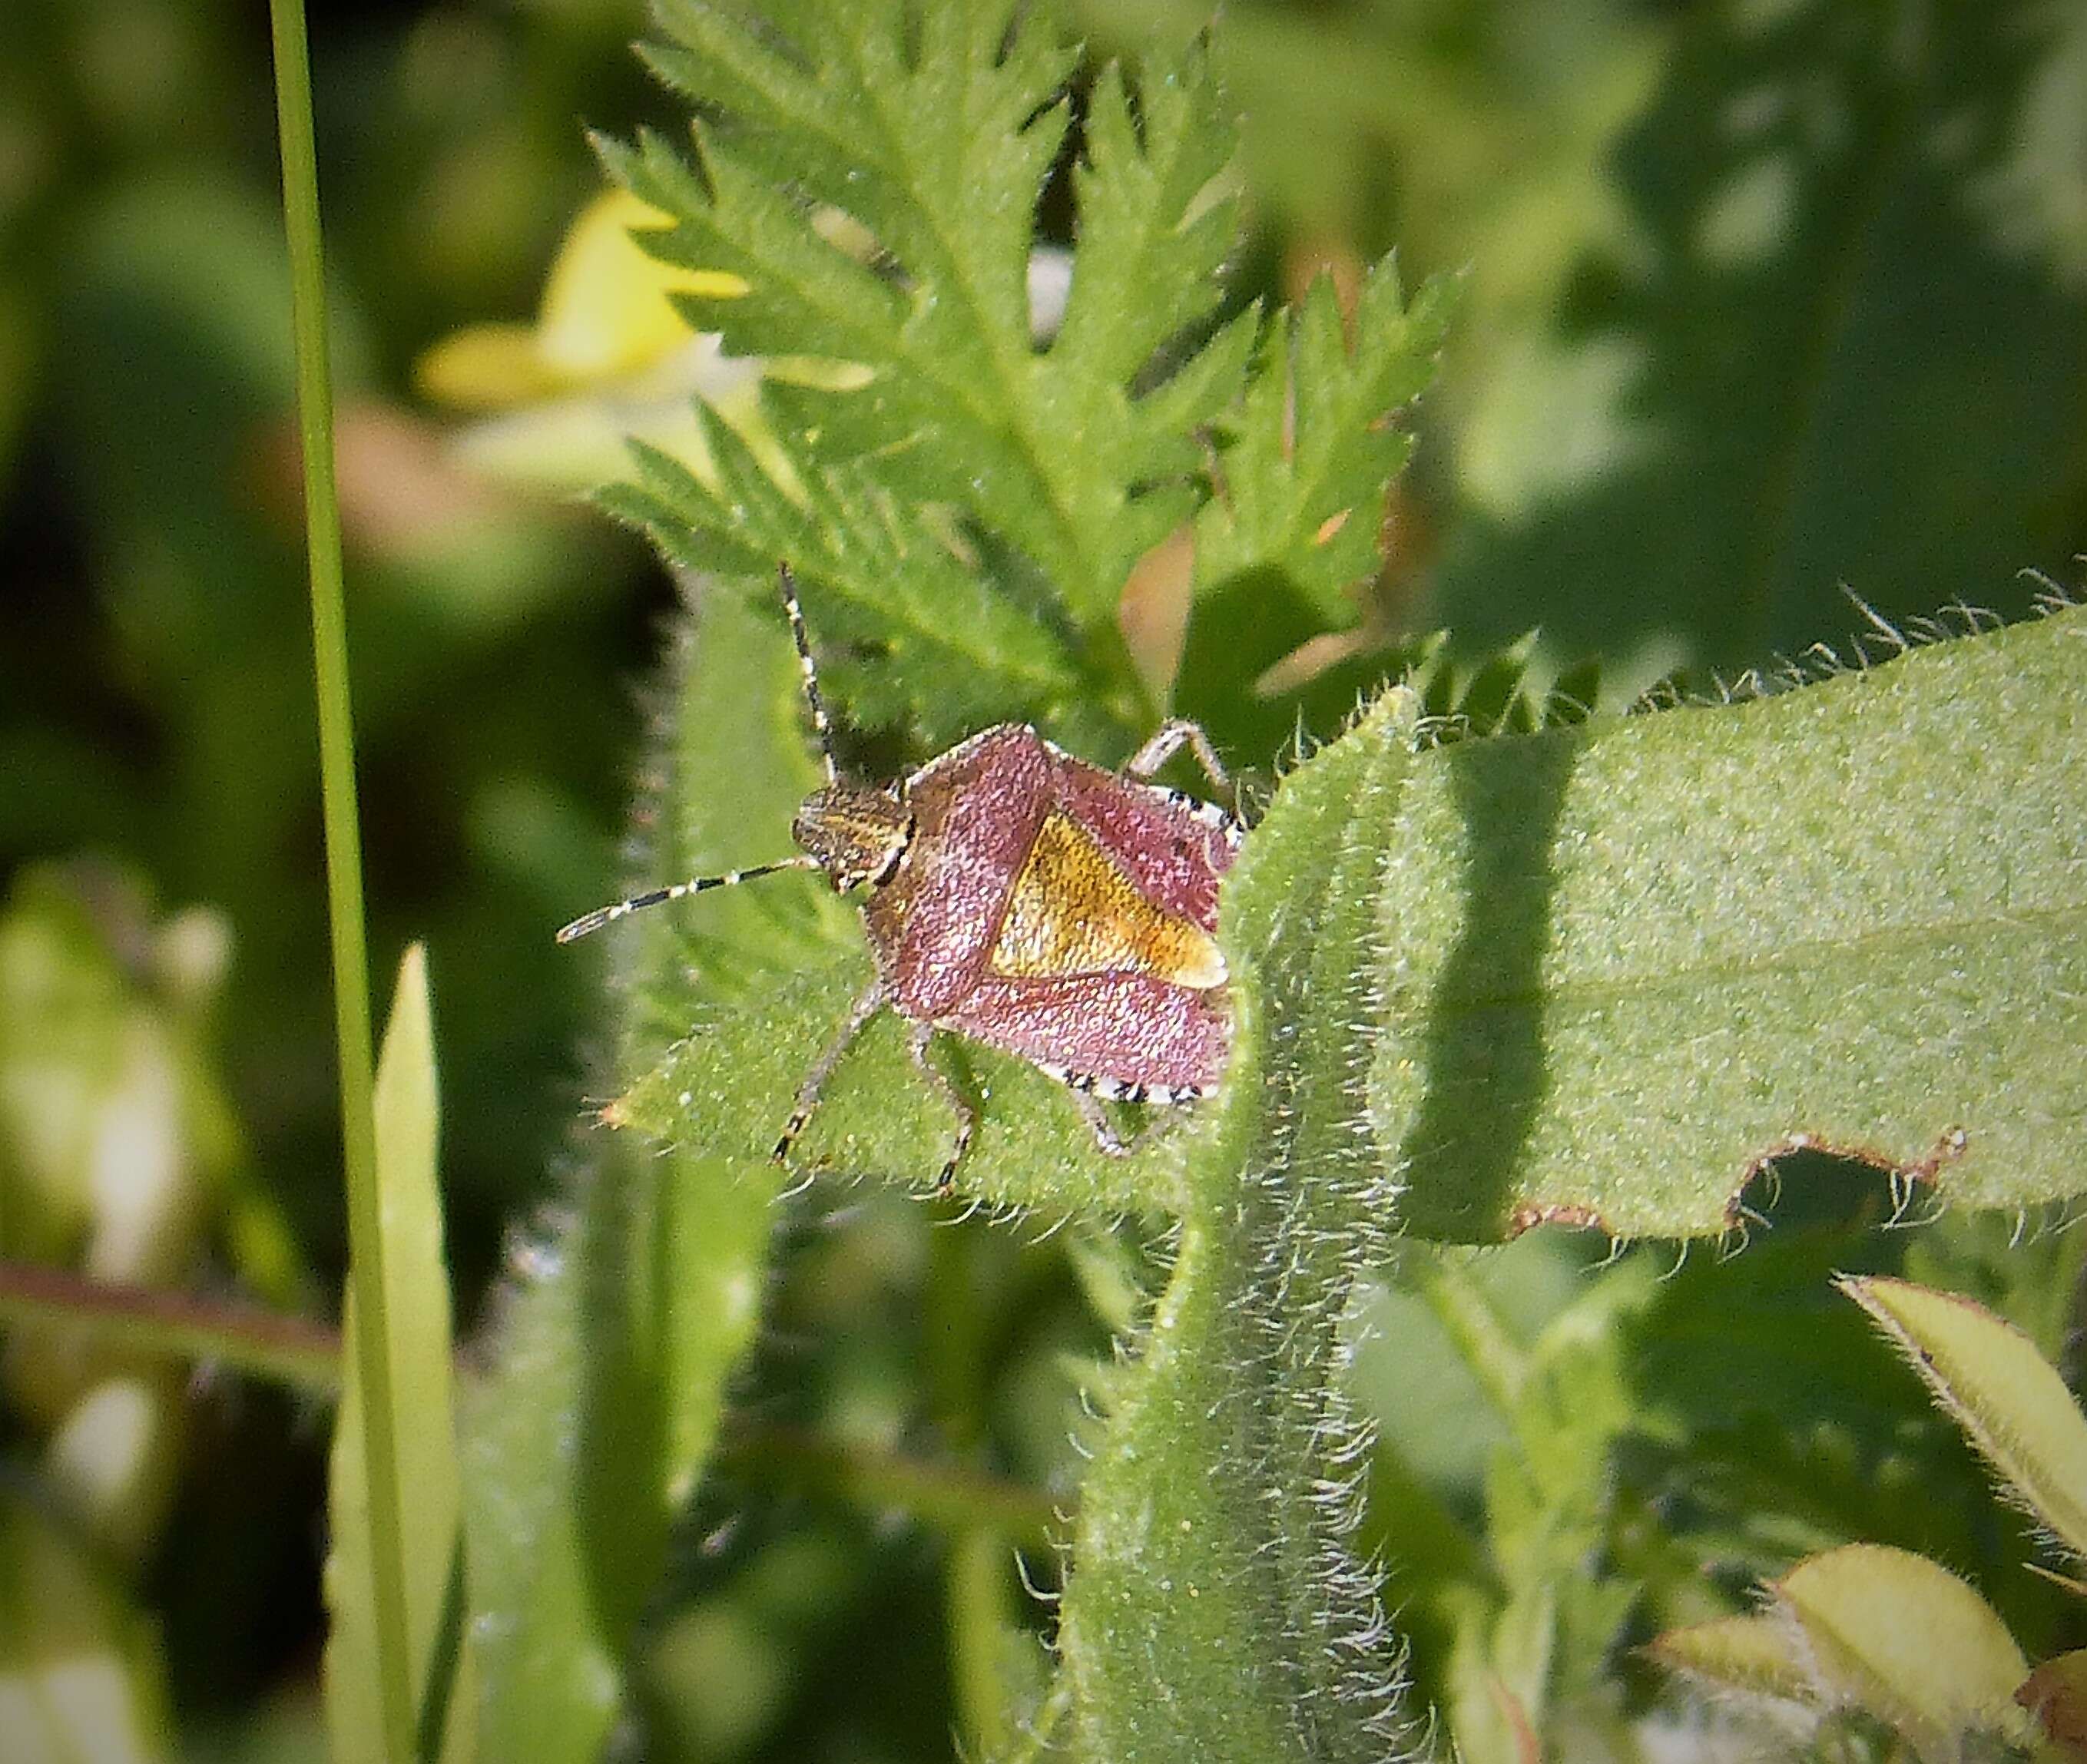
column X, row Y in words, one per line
column 1762, row 300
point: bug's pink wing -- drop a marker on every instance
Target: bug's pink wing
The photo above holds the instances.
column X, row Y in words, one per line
column 1129, row 1027
column 976, row 810
column 1174, row 853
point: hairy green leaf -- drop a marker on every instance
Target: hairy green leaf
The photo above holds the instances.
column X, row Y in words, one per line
column 1214, row 1613
column 1621, row 965
column 438, row 1643
column 1755, row 1655
column 2026, row 1277
column 731, row 1083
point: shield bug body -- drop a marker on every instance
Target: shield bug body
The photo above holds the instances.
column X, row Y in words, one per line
column 1027, row 899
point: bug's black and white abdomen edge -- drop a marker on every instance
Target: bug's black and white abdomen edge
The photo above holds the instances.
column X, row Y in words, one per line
column 1090, row 1091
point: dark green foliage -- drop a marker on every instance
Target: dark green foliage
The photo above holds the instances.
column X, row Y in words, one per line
column 1815, row 356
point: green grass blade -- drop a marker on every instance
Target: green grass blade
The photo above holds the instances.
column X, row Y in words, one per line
column 350, row 977
column 429, row 1544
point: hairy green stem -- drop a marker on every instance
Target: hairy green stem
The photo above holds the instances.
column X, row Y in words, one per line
column 298, row 1352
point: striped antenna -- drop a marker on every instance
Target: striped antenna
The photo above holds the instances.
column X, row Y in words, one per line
column 609, row 915
column 810, row 670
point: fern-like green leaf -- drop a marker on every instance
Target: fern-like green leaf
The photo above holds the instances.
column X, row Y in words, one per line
column 871, row 570
column 1304, row 463
column 1296, row 523
column 938, row 150
column 873, row 187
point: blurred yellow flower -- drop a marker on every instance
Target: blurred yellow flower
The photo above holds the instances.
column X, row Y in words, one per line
column 608, row 360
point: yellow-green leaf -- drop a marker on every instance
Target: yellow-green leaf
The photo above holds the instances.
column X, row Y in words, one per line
column 1908, row 1641
column 1753, row 1655
column 430, row 1542
column 2010, row 1403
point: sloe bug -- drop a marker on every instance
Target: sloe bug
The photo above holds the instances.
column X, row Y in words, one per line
column 1025, row 899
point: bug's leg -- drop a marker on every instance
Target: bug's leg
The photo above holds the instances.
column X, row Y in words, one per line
column 1108, row 1138
column 822, row 1068
column 1087, row 1093
column 1167, row 741
column 939, row 1081
column 1110, row 1142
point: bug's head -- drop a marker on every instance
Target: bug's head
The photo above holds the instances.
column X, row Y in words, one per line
column 856, row 832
